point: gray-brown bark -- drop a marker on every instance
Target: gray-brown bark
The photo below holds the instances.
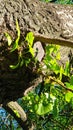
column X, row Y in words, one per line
column 53, row 21
column 17, row 112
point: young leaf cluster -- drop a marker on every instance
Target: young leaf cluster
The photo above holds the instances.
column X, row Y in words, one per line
column 53, row 98
column 16, row 45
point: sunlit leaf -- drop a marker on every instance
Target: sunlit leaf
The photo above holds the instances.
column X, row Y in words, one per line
column 15, row 44
column 32, row 51
column 30, row 38
column 43, row 109
column 58, row 56
column 8, row 38
column 18, row 29
column 14, row 66
column 47, row 95
column 17, row 114
column 52, row 97
column 49, row 49
column 68, row 85
column 35, row 107
column 67, row 69
column 68, row 96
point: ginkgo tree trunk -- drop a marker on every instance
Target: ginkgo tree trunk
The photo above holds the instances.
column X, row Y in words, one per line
column 50, row 23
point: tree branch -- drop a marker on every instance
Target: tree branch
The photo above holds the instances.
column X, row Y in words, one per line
column 17, row 112
column 60, row 83
column 57, row 41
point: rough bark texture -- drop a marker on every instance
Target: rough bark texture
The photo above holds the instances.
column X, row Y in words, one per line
column 16, row 110
column 55, row 21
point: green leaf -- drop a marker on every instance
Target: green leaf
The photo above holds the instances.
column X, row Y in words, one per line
column 55, row 109
column 43, row 109
column 49, row 49
column 61, row 72
column 30, row 38
column 16, row 46
column 52, row 97
column 32, row 51
column 67, row 69
column 54, row 67
column 27, row 61
column 71, row 80
column 17, row 114
column 8, row 38
column 22, row 62
column 35, row 107
column 18, row 29
column 68, row 85
column 58, row 56
column 68, row 96
column 14, row 66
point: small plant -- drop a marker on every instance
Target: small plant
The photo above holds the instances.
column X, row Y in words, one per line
column 16, row 45
column 53, row 63
column 51, row 103
column 52, row 99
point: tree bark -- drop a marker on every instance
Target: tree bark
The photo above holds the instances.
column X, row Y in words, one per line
column 52, row 22
column 18, row 113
